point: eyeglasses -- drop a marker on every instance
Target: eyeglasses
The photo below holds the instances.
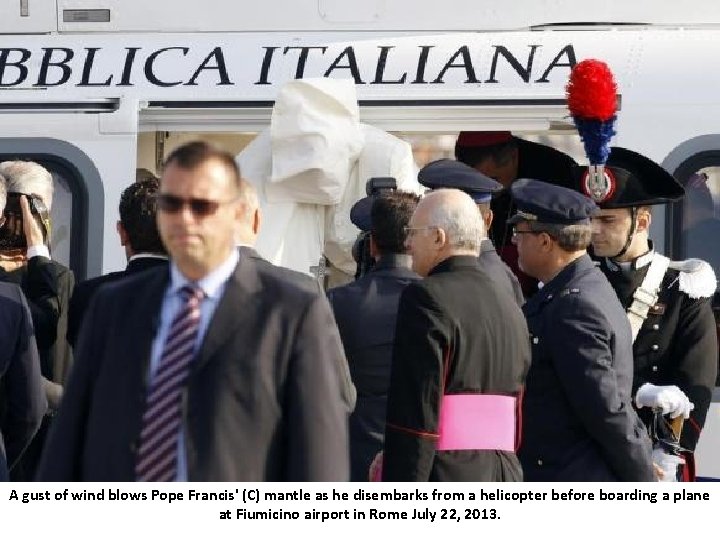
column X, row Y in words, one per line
column 410, row 231
column 515, row 232
column 199, row 207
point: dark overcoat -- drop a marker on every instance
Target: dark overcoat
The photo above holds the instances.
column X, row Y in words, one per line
column 366, row 312
column 578, row 420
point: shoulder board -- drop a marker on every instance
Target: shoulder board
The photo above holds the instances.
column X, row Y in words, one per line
column 573, row 290
column 696, row 278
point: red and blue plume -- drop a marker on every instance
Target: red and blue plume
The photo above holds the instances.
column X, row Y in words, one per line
column 591, row 98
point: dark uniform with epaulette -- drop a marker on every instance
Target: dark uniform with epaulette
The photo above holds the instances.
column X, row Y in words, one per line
column 446, row 173
column 578, row 422
column 677, row 342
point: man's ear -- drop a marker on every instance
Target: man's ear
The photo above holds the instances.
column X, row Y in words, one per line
column 256, row 221
column 547, row 242
column 488, row 218
column 122, row 233
column 373, row 247
column 644, row 219
column 440, row 237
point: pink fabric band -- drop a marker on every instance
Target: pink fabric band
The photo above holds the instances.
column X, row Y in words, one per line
column 477, row 422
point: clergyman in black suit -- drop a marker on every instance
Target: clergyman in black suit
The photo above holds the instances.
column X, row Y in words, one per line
column 261, row 392
column 139, row 236
column 365, row 311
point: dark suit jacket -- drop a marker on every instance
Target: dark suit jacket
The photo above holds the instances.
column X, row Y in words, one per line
column 22, row 398
column 86, row 290
column 499, row 272
column 267, row 397
column 579, row 424
column 365, row 311
column 456, row 333
column 47, row 285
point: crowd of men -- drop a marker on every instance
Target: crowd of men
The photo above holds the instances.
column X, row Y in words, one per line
column 515, row 322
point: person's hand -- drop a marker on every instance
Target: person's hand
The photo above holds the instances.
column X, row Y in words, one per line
column 33, row 232
column 12, row 259
column 666, row 465
column 669, row 399
column 375, row 472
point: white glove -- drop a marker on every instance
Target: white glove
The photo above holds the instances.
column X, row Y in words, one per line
column 670, row 399
column 668, row 463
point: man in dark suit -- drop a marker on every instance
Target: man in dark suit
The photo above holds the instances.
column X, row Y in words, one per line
column 139, row 236
column 22, row 398
column 578, row 420
column 365, row 311
column 460, row 357
column 504, row 157
column 446, row 173
column 216, row 369
column 47, row 285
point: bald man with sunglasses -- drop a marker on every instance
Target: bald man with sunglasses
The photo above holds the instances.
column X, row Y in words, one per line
column 220, row 368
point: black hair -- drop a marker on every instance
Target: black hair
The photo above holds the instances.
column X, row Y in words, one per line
column 137, row 215
column 193, row 154
column 390, row 214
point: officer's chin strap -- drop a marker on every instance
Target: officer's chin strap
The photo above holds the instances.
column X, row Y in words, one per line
column 631, row 234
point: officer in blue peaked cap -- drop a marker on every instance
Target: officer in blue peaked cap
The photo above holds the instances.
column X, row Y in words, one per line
column 450, row 174
column 579, row 423
column 551, row 204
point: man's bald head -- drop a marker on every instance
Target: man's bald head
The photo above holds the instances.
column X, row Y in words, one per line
column 445, row 224
column 456, row 213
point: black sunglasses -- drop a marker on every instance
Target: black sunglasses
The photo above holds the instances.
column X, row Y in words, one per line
column 199, row 207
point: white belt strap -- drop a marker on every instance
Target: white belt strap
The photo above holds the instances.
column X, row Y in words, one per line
column 646, row 294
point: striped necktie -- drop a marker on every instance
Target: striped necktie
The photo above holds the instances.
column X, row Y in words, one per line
column 157, row 452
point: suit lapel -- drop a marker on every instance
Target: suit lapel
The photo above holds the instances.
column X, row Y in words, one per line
column 147, row 320
column 238, row 305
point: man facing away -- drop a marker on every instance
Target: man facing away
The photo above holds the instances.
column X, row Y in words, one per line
column 139, row 236
column 216, row 369
column 366, row 311
column 446, row 173
column 505, row 158
column 460, row 357
column 578, row 421
column 668, row 303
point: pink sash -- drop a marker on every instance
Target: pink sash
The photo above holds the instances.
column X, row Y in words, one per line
column 477, row 422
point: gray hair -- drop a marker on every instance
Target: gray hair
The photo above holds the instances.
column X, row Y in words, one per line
column 3, row 193
column 569, row 237
column 28, row 177
column 461, row 222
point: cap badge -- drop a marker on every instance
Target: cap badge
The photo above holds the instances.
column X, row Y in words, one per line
column 598, row 183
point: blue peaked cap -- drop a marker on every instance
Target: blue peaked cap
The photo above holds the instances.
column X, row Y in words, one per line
column 548, row 203
column 448, row 173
